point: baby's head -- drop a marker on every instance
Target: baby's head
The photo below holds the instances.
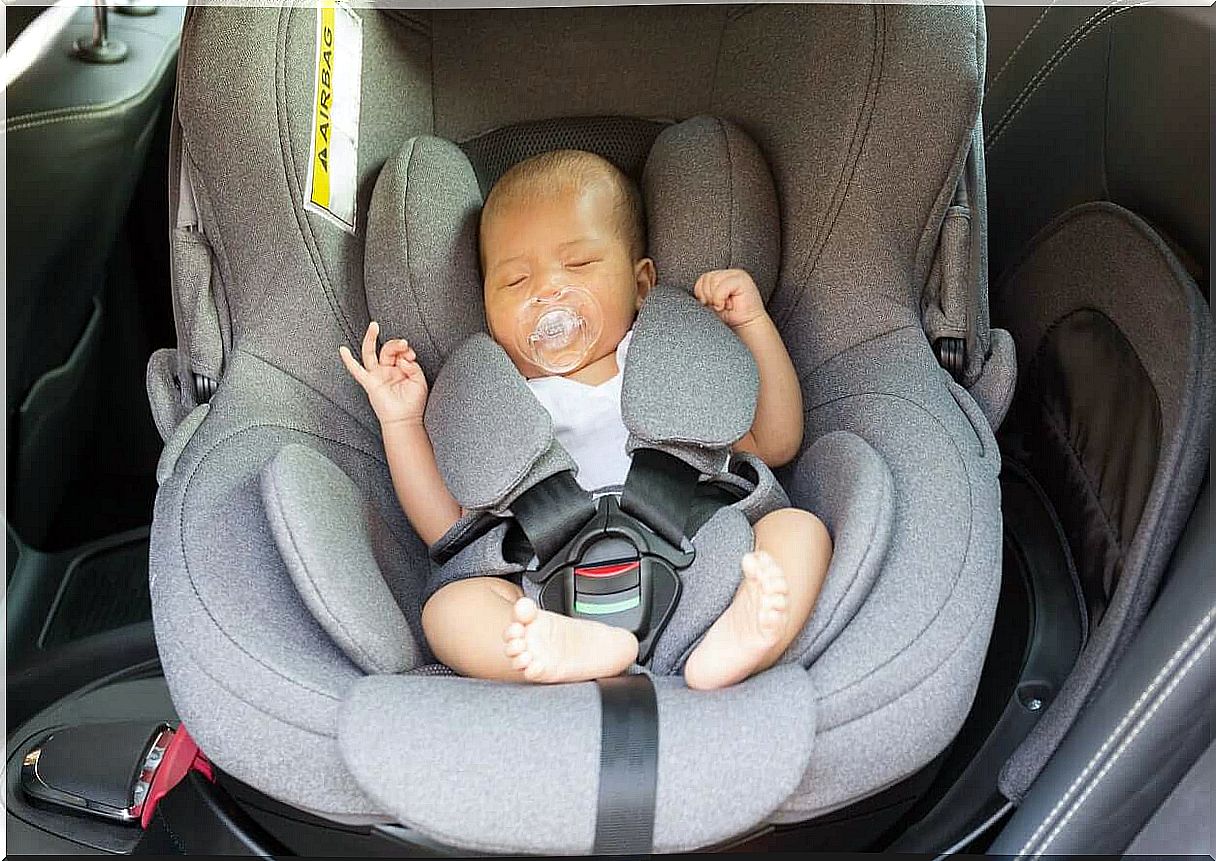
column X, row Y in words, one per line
column 565, row 220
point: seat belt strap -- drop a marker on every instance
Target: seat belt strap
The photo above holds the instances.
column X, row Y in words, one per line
column 629, row 766
column 659, row 491
column 551, row 513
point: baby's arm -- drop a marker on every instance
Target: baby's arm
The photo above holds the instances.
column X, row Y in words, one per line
column 424, row 497
column 397, row 390
column 776, row 432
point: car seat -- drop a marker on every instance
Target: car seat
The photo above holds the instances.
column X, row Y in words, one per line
column 272, row 450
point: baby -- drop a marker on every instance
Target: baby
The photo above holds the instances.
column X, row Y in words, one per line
column 567, row 220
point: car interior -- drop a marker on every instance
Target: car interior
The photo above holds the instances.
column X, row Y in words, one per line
column 984, row 234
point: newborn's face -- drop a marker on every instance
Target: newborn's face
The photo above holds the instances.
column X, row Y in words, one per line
column 568, row 239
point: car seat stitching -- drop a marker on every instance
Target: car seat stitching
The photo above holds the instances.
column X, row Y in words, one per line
column 405, row 234
column 1018, row 49
column 20, row 122
column 1101, row 17
column 713, row 81
column 434, row 84
column 276, row 500
column 844, row 180
column 1135, row 707
column 1110, row 45
column 259, row 709
column 1143, row 722
column 1045, row 69
column 289, row 176
column 187, row 484
column 970, row 526
column 730, row 195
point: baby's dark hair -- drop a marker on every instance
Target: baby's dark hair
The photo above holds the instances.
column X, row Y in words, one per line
column 539, row 176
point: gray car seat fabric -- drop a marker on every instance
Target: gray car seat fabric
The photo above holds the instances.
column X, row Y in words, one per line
column 898, row 459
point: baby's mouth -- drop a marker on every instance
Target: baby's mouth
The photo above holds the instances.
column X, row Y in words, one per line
column 557, row 328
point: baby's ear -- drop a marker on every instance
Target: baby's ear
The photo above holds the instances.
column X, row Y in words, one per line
column 644, row 276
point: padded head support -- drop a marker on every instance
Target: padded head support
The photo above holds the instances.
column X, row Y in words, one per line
column 711, row 204
column 421, row 272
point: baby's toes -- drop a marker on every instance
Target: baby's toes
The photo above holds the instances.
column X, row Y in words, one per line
column 771, row 623
column 522, row 661
column 525, row 611
column 514, row 631
column 775, row 601
column 516, row 647
column 533, row 670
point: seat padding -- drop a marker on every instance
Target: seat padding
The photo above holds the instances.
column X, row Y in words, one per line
column 421, row 273
column 503, row 766
column 481, row 404
column 689, row 384
column 711, row 204
column 322, row 525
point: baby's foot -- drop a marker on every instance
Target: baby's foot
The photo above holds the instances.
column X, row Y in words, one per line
column 549, row 647
column 744, row 635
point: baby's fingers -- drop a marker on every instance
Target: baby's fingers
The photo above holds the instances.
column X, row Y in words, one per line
column 411, row 368
column 352, row 365
column 369, row 345
column 394, row 350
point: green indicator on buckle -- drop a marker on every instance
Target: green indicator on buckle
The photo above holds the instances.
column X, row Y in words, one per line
column 606, row 609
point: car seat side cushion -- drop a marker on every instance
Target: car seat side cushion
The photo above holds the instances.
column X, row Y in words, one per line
column 320, row 523
column 711, row 204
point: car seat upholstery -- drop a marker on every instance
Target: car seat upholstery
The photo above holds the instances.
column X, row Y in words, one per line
column 282, row 469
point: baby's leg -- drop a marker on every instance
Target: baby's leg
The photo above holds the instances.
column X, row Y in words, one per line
column 781, row 580
column 484, row 627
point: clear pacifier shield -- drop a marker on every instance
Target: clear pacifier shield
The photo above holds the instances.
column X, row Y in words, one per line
column 557, row 332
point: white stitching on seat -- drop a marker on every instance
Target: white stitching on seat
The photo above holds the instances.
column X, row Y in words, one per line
column 1141, row 724
column 1020, row 45
column 1075, row 38
column 21, row 122
column 1204, row 623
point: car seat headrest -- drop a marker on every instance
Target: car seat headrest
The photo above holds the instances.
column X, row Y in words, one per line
column 711, row 204
column 421, row 273
column 709, row 196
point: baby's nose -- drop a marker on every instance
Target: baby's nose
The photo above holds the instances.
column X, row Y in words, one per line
column 550, row 290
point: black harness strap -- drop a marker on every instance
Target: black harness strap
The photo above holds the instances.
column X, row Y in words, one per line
column 629, row 766
column 659, row 491
column 551, row 513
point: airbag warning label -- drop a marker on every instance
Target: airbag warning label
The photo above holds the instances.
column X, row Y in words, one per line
column 334, row 161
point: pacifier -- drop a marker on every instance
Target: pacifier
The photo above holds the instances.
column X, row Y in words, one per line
column 557, row 332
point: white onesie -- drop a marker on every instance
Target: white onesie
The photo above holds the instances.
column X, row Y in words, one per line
column 587, row 422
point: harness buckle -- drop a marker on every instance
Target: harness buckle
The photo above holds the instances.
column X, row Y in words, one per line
column 618, row 571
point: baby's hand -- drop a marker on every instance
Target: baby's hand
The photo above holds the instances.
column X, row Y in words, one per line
column 732, row 294
column 395, row 384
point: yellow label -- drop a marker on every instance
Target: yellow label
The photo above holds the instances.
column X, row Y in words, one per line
column 323, row 115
